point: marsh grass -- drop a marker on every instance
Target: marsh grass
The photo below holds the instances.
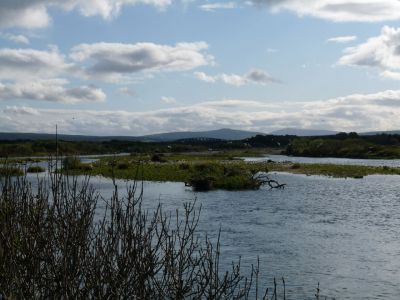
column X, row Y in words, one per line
column 202, row 175
column 217, row 172
column 10, row 170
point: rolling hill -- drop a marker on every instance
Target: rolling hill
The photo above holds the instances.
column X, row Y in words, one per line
column 222, row 134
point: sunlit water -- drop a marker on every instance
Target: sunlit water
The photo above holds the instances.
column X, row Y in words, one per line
column 343, row 233
column 327, row 160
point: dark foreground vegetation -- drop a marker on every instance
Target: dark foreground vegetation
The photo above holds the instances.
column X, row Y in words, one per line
column 63, row 240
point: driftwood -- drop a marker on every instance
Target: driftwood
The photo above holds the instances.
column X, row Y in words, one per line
column 264, row 179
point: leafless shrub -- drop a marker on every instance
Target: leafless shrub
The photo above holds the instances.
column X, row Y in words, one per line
column 56, row 243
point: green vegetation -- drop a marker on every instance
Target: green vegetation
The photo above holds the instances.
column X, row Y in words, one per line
column 74, row 163
column 346, row 145
column 213, row 164
column 203, row 171
column 21, row 160
column 35, row 169
column 339, row 171
column 71, row 163
column 10, row 171
column 341, row 145
column 218, row 171
column 48, row 147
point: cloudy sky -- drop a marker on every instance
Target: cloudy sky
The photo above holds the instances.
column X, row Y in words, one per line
column 133, row 67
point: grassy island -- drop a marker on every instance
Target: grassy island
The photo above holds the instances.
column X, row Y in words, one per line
column 216, row 171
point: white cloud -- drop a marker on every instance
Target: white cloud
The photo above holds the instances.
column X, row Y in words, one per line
column 112, row 61
column 34, row 13
column 53, row 90
column 391, row 75
column 381, row 52
column 29, row 63
column 27, row 14
column 338, row 10
column 16, row 38
column 254, row 76
column 358, row 112
column 212, row 7
column 168, row 100
column 342, row 39
column 20, row 110
column 32, row 74
column 127, row 91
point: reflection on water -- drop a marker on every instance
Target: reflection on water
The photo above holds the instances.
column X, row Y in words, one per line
column 343, row 233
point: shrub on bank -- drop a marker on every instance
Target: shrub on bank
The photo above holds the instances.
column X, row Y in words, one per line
column 35, row 169
column 71, row 163
column 123, row 166
column 208, row 176
column 10, row 171
column 157, row 158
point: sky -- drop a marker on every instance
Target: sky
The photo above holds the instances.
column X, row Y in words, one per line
column 136, row 67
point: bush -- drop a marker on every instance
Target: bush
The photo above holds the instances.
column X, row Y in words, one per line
column 35, row 169
column 157, row 158
column 202, row 184
column 10, row 171
column 184, row 166
column 240, row 182
column 71, row 163
column 86, row 167
column 204, row 167
column 123, row 166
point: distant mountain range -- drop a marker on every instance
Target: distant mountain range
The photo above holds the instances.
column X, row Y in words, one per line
column 221, row 134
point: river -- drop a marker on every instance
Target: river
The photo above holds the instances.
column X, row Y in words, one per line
column 327, row 160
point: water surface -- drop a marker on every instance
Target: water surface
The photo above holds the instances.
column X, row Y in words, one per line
column 343, row 233
column 327, row 160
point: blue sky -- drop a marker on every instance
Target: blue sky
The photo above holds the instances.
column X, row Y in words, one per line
column 132, row 67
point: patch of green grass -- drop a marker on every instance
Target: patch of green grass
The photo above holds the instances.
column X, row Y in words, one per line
column 208, row 172
column 35, row 169
column 10, row 171
column 342, row 171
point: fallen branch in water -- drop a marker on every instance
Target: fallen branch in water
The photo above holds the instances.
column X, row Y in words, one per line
column 263, row 179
